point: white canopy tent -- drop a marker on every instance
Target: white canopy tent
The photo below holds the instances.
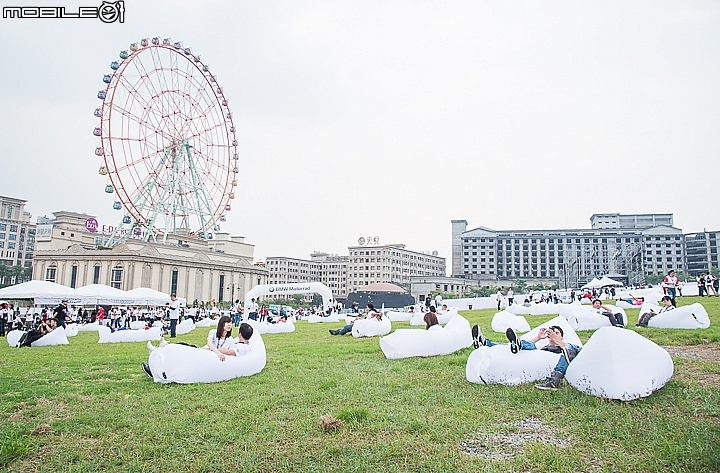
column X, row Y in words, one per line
column 43, row 292
column 102, row 294
column 606, row 281
column 595, row 283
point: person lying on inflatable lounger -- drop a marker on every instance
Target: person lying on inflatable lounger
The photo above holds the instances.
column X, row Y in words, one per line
column 370, row 313
column 221, row 341
column 645, row 318
column 638, row 301
column 616, row 320
column 34, row 335
column 556, row 344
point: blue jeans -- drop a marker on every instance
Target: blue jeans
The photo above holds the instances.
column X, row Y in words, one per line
column 173, row 325
column 562, row 364
column 344, row 330
column 236, row 319
column 671, row 292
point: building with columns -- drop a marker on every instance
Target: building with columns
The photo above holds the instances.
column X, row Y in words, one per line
column 220, row 270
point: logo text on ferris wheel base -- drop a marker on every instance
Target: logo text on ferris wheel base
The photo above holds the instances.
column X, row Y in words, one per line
column 108, row 12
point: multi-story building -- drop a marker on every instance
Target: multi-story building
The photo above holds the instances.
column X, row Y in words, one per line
column 220, row 270
column 393, row 264
column 633, row 245
column 17, row 233
column 701, row 252
column 326, row 268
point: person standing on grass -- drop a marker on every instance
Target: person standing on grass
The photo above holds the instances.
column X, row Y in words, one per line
column 510, row 297
column 670, row 284
column 61, row 313
column 499, row 297
column 173, row 313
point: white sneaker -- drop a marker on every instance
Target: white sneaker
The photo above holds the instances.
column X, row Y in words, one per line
column 150, row 347
column 163, row 342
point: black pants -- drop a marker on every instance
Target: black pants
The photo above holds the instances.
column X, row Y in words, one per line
column 2, row 327
column 616, row 320
column 32, row 336
column 173, row 325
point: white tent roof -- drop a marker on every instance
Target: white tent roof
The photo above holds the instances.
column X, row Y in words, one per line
column 606, row 281
column 148, row 296
column 102, row 294
column 592, row 284
column 50, row 292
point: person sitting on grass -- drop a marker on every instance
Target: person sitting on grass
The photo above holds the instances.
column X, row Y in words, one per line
column 556, row 344
column 220, row 341
column 645, row 318
column 616, row 320
column 370, row 313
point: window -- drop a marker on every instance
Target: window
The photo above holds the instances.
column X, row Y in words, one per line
column 2, row 236
column 3, row 227
column 11, row 245
column 13, row 228
column 12, row 236
column 116, row 277
column 50, row 273
column 73, row 276
column 174, row 281
column 96, row 274
column 9, row 212
column 221, row 287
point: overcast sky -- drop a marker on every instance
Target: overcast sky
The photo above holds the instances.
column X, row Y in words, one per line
column 392, row 118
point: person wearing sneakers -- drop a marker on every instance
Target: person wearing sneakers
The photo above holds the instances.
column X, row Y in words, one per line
column 556, row 344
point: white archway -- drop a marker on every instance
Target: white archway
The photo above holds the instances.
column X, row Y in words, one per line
column 281, row 290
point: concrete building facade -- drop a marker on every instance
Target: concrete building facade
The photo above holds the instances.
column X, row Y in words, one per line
column 571, row 257
column 701, row 252
column 17, row 233
column 220, row 270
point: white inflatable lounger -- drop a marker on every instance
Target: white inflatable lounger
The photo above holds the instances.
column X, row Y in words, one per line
column 620, row 364
column 186, row 326
column 587, row 318
column 92, row 327
column 71, row 330
column 106, row 336
column 56, row 337
column 264, row 327
column 406, row 343
column 175, row 363
column 686, row 317
column 207, row 322
column 542, row 308
column 371, row 327
column 504, row 320
column 396, row 316
column 498, row 365
column 443, row 317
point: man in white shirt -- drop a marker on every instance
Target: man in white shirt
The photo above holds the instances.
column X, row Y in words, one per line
column 510, row 297
column 174, row 314
column 252, row 309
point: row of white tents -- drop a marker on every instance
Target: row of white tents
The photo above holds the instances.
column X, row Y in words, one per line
column 603, row 282
column 48, row 293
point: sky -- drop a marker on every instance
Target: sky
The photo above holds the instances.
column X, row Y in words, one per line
column 392, row 118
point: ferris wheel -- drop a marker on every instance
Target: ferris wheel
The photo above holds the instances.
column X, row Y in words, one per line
column 168, row 143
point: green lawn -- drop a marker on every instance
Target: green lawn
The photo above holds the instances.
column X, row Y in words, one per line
column 414, row 415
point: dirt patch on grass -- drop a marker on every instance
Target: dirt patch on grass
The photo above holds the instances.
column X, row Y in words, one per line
column 511, row 441
column 708, row 352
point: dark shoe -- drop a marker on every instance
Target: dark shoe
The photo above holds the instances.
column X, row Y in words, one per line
column 146, row 369
column 513, row 338
column 333, row 332
column 553, row 382
column 475, row 333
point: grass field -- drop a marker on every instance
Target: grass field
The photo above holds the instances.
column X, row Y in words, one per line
column 88, row 407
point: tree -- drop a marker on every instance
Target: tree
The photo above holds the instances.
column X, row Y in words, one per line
column 519, row 286
column 653, row 278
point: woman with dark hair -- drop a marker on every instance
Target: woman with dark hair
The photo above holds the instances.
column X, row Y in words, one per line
column 431, row 321
column 221, row 341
